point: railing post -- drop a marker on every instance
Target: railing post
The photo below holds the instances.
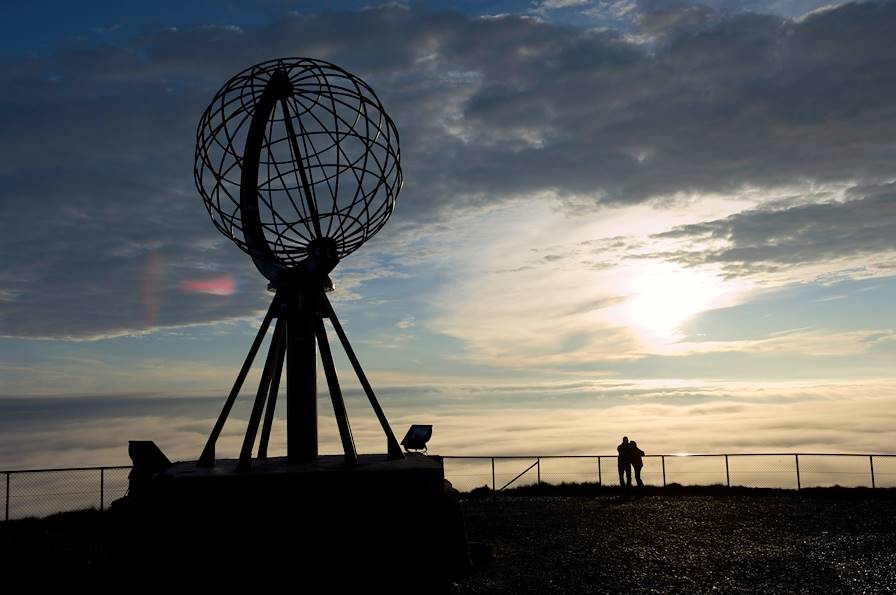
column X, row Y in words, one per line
column 600, row 481
column 871, row 461
column 102, row 487
column 538, row 460
column 493, row 475
column 663, row 458
column 7, row 495
column 727, row 474
column 797, row 459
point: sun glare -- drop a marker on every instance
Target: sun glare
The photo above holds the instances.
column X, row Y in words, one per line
column 663, row 296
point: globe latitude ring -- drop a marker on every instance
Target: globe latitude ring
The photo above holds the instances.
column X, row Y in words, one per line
column 298, row 163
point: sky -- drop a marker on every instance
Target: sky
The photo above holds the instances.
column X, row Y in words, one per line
column 671, row 220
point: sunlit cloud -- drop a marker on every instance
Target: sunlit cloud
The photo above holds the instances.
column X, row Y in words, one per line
column 801, row 342
column 541, row 288
column 664, row 295
column 587, row 418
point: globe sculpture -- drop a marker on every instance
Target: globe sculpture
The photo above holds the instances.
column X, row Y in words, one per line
column 298, row 163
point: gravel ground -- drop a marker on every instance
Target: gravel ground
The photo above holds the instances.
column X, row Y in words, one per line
column 768, row 543
column 589, row 541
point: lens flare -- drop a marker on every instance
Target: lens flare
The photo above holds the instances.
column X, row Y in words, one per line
column 222, row 285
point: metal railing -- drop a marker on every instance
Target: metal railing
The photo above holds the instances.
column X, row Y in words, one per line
column 41, row 492
column 772, row 470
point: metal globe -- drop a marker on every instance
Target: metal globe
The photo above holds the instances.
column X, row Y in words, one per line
column 326, row 164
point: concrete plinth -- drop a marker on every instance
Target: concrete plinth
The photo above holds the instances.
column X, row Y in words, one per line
column 343, row 524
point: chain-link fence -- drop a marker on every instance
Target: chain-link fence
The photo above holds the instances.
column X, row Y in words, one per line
column 38, row 493
column 760, row 470
column 41, row 492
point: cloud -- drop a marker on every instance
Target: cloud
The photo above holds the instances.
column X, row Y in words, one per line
column 802, row 342
column 121, row 372
column 554, row 4
column 406, row 322
column 761, row 240
column 96, row 141
column 554, row 291
column 587, row 418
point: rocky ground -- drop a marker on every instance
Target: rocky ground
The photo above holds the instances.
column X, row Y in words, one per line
column 702, row 541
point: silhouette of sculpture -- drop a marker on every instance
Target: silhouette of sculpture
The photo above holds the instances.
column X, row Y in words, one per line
column 623, row 461
column 635, row 456
column 298, row 164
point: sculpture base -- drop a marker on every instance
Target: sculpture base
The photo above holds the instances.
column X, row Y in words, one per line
column 345, row 525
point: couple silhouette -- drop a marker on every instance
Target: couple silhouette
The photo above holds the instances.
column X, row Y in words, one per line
column 629, row 456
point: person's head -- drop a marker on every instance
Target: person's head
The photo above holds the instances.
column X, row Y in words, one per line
column 633, row 443
column 625, row 439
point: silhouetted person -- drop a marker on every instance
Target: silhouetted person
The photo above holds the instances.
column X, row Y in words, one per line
column 635, row 455
column 624, row 463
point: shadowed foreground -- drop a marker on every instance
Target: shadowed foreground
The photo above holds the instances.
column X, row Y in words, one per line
column 764, row 542
column 578, row 539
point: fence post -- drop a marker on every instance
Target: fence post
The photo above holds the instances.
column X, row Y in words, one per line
column 727, row 474
column 7, row 495
column 102, row 488
column 538, row 469
column 797, row 459
column 871, row 460
column 600, row 480
column 663, row 458
column 493, row 474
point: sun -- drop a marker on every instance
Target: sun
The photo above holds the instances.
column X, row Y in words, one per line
column 664, row 295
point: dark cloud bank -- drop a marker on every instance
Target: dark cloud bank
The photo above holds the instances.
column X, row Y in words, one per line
column 100, row 221
column 768, row 239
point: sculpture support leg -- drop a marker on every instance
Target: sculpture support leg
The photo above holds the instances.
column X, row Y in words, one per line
column 298, row 331
column 301, row 384
column 245, row 461
column 394, row 449
column 345, row 430
column 272, row 398
column 207, row 458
